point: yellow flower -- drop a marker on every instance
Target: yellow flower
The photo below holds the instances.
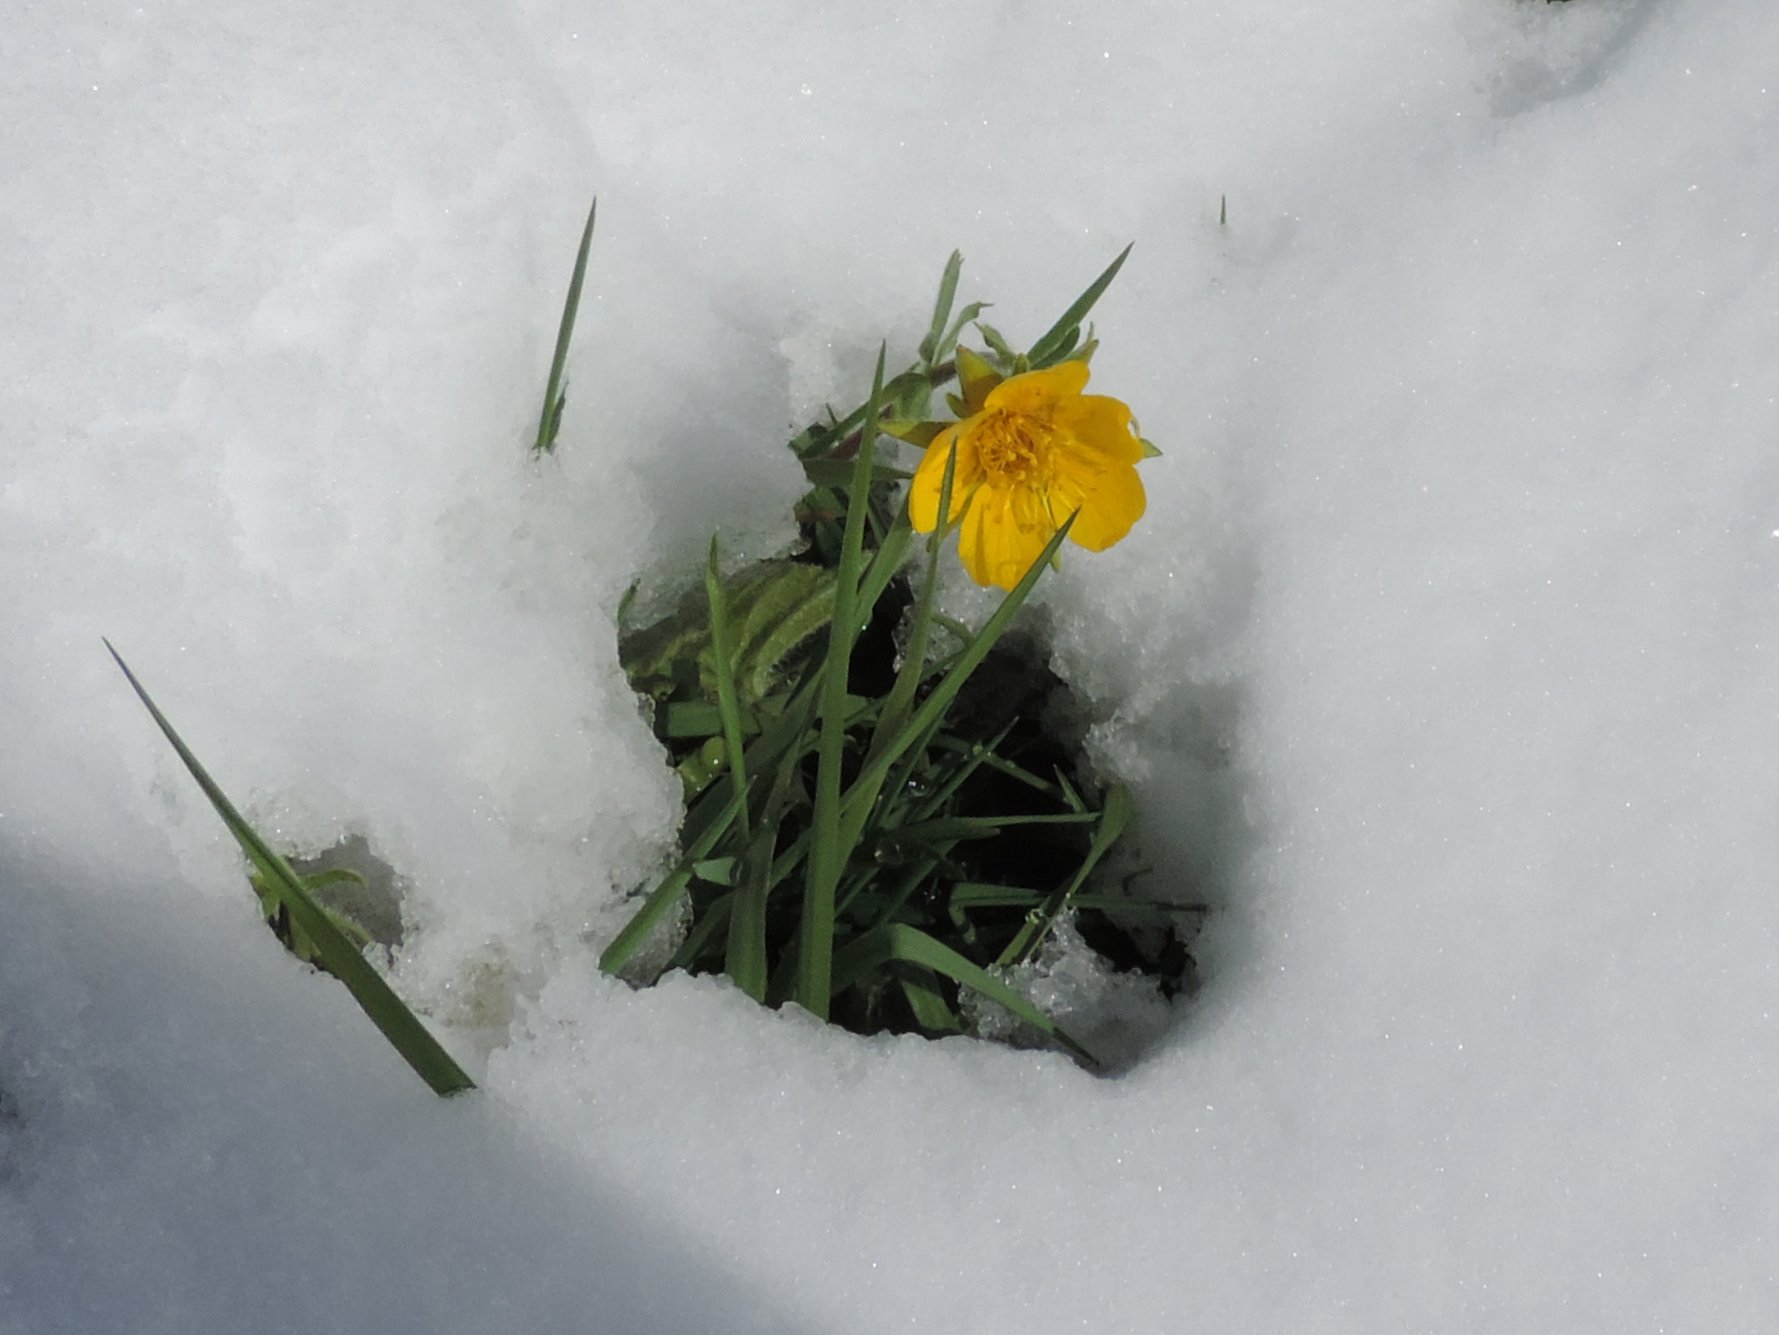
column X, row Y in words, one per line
column 1031, row 451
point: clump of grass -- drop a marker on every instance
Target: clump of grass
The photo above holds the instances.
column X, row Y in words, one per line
column 878, row 821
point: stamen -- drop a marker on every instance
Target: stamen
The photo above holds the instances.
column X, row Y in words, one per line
column 1014, row 450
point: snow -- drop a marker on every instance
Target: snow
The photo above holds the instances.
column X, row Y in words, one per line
column 1443, row 666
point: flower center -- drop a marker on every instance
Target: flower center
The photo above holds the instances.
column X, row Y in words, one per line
column 1014, row 450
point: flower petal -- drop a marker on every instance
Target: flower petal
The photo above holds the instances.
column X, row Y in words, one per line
column 1036, row 393
column 929, row 479
column 1100, row 423
column 1004, row 531
column 1109, row 499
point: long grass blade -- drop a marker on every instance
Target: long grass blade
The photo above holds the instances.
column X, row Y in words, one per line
column 663, row 897
column 745, row 958
column 1049, row 348
column 555, row 396
column 931, row 1011
column 1114, row 820
column 914, row 659
column 723, row 651
column 930, row 345
column 863, row 793
column 898, row 941
column 341, row 958
column 827, row 855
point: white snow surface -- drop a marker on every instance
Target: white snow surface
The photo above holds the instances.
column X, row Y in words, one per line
column 1445, row 664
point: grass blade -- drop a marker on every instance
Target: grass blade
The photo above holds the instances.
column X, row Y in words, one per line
column 340, row 957
column 865, row 788
column 930, row 345
column 745, row 957
column 723, row 651
column 1113, row 822
column 1048, row 348
column 827, row 854
column 914, row 658
column 928, row 1005
column 555, row 395
column 673, row 885
column 910, row 945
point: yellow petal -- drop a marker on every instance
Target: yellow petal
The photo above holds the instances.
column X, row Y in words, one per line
column 1099, row 423
column 1109, row 499
column 929, row 480
column 1035, row 394
column 1003, row 532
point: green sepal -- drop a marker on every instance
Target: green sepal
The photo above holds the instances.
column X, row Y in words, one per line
column 917, row 433
column 976, row 378
column 997, row 344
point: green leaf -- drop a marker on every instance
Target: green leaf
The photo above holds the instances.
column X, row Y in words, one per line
column 663, row 897
column 952, row 829
column 865, row 788
column 910, row 945
column 697, row 718
column 555, row 397
column 1114, row 820
column 999, row 345
column 976, row 895
column 922, row 434
column 839, row 472
column 745, row 956
column 271, row 903
column 931, row 1011
column 711, row 924
column 773, row 609
column 387, row 1011
column 930, row 345
column 716, row 871
column 1044, row 351
column 914, row 658
column 723, row 652
column 964, row 317
column 827, row 855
